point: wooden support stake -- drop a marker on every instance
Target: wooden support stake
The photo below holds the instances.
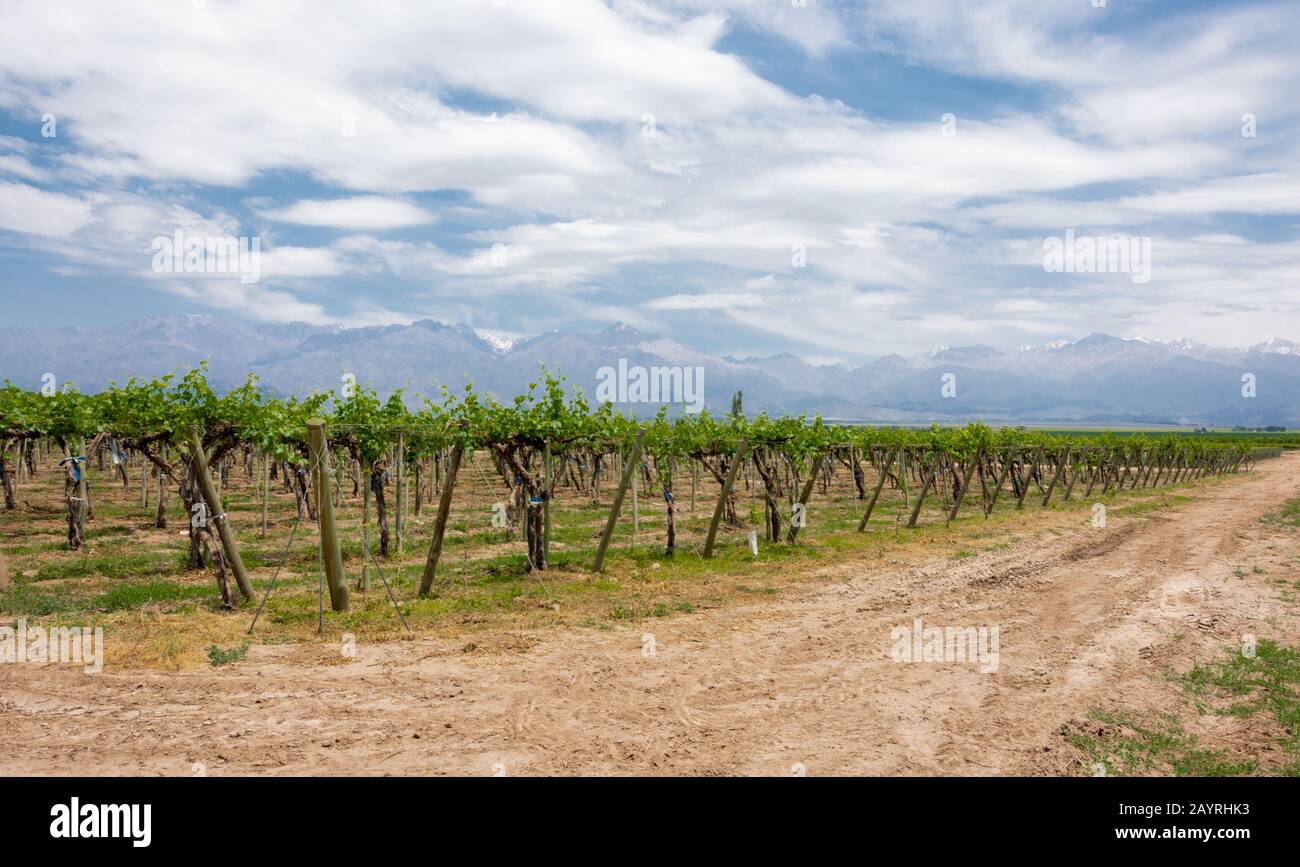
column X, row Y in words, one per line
column 217, row 514
column 1029, row 475
column 902, row 477
column 331, row 553
column 1002, row 478
column 399, row 495
column 266, row 490
column 546, row 502
column 364, row 469
column 805, row 495
column 1056, row 476
column 965, row 480
column 925, row 487
column 83, row 490
column 695, row 480
column 1074, row 475
column 629, row 467
column 440, row 522
column 880, row 483
column 1142, row 457
column 741, row 450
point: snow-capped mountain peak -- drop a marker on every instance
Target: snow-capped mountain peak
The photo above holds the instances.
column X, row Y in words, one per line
column 500, row 345
column 1183, row 344
column 1277, row 346
column 1098, row 378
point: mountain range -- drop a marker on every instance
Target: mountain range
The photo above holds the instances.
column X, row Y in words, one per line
column 1098, row 379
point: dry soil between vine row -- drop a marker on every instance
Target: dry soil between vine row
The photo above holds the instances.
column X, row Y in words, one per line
column 1088, row 619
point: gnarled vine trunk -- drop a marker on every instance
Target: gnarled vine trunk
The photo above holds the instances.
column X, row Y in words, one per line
column 7, row 481
column 377, row 474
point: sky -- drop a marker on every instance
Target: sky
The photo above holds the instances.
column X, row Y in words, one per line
column 833, row 179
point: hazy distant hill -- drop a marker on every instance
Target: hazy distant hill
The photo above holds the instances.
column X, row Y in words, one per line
column 1096, row 379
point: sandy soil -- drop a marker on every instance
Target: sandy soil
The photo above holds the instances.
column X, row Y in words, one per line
column 804, row 685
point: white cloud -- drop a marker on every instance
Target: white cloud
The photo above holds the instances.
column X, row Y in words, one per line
column 813, row 26
column 536, row 112
column 301, row 262
column 251, row 300
column 1264, row 193
column 340, row 101
column 12, row 164
column 35, row 211
column 706, row 301
column 359, row 213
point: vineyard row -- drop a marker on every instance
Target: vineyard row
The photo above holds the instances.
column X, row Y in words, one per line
column 179, row 430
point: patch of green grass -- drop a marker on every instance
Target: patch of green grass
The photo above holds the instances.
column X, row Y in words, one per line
column 26, row 598
column 1238, row 685
column 660, row 609
column 1153, row 505
column 963, row 554
column 1127, row 744
column 1288, row 515
column 35, row 548
column 1241, row 686
column 220, row 656
column 135, row 595
column 745, row 588
column 117, row 565
column 23, row 599
column 583, row 588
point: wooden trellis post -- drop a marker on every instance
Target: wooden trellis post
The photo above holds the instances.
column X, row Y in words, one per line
column 1123, row 474
column 1029, row 476
column 218, row 515
column 880, row 483
column 364, row 471
column 902, row 477
column 83, row 489
column 925, row 487
column 741, row 450
column 266, row 490
column 399, row 493
column 331, row 554
column 631, row 465
column 1025, row 482
column 1092, row 480
column 1056, row 476
column 440, row 522
column 1073, row 475
column 546, row 502
column 965, row 480
column 1002, row 478
column 805, row 495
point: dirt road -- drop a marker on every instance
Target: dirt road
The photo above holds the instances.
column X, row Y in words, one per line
column 1086, row 619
